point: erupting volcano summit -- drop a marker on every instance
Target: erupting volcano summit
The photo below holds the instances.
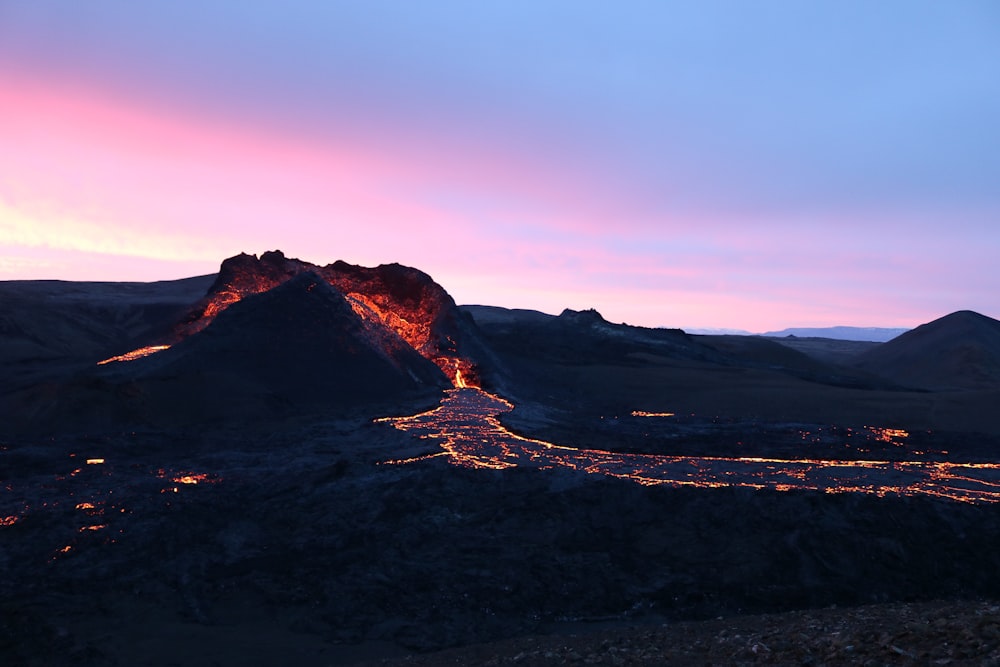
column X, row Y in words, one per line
column 403, row 300
column 266, row 337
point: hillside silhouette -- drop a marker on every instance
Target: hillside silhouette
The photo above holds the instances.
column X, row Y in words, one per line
column 957, row 351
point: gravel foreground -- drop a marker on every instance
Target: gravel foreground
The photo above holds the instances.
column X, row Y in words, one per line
column 935, row 633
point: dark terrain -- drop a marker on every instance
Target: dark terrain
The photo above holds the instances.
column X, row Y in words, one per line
column 227, row 500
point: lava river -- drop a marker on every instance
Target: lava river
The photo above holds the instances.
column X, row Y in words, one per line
column 467, row 427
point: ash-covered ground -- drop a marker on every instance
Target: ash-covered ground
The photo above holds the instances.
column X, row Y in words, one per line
column 298, row 544
column 231, row 501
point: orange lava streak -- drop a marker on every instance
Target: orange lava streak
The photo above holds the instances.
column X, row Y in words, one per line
column 471, row 435
column 192, row 478
column 135, row 354
column 643, row 413
column 412, row 459
column 9, row 520
column 888, row 434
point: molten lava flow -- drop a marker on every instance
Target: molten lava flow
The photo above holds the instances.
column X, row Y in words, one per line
column 193, row 478
column 135, row 354
column 9, row 520
column 891, row 435
column 459, row 370
column 186, row 478
column 94, row 462
column 466, row 426
column 643, row 413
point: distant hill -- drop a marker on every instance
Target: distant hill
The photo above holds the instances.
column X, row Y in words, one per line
column 485, row 315
column 715, row 331
column 957, row 351
column 873, row 334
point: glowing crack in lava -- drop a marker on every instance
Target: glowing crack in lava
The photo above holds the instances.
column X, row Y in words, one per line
column 890, row 435
column 193, row 478
column 135, row 354
column 470, row 435
column 188, row 478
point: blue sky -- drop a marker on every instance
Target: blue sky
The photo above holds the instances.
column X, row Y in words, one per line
column 753, row 165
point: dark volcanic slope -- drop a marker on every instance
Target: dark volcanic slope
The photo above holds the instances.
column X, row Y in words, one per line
column 957, row 351
column 827, row 350
column 581, row 336
column 297, row 340
column 564, row 372
column 47, row 325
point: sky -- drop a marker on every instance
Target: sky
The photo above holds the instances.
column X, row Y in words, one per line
column 752, row 165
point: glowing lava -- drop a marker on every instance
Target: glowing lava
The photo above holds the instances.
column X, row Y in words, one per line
column 192, row 478
column 470, row 435
column 135, row 354
column 890, row 435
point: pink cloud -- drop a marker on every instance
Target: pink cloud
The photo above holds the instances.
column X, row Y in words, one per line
column 89, row 176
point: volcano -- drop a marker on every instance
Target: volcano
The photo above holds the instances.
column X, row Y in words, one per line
column 272, row 336
column 297, row 346
column 403, row 299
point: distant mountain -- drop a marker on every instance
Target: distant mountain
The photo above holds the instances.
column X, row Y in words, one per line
column 874, row 334
column 496, row 315
column 957, row 351
column 709, row 331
